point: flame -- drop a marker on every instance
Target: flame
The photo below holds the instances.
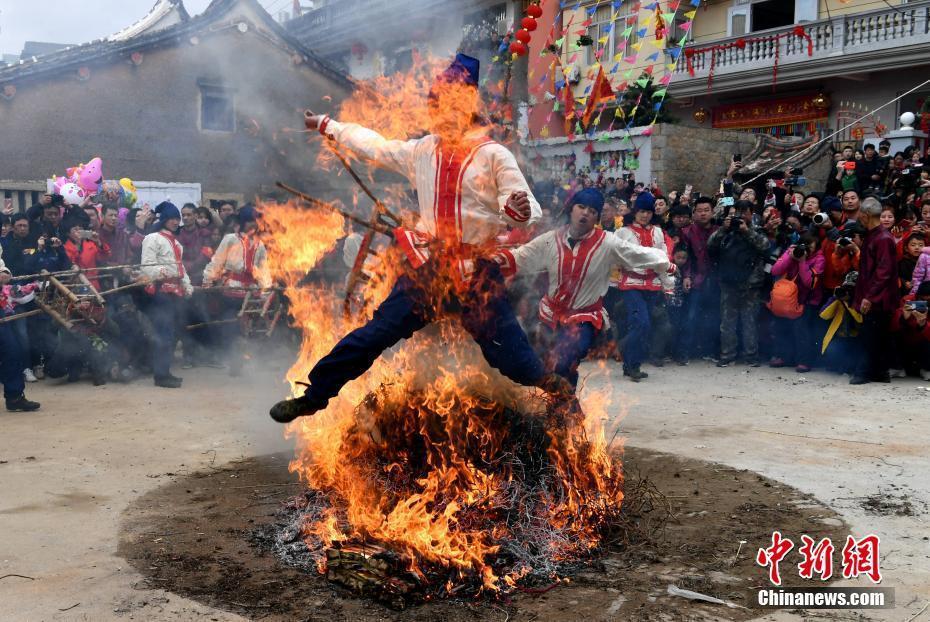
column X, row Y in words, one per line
column 414, row 453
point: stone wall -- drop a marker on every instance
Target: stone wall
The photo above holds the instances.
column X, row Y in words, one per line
column 700, row 156
column 144, row 121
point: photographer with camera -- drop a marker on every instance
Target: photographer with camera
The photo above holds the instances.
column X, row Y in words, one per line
column 869, row 171
column 876, row 295
column 911, row 333
column 84, row 248
column 797, row 340
column 739, row 251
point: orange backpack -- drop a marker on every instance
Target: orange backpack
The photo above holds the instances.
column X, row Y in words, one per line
column 784, row 302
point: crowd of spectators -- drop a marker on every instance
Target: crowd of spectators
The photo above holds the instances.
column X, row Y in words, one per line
column 775, row 271
column 146, row 263
column 835, row 278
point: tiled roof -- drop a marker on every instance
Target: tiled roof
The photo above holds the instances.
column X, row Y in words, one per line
column 105, row 50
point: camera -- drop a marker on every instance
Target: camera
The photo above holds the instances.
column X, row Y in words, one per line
column 821, row 219
column 844, row 241
column 800, row 251
column 796, row 180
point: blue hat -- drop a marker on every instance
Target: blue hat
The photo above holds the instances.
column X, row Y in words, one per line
column 463, row 69
column 248, row 213
column 167, row 210
column 831, row 204
column 645, row 201
column 589, row 197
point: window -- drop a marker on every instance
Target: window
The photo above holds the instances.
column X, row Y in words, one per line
column 602, row 26
column 754, row 15
column 772, row 14
column 217, row 109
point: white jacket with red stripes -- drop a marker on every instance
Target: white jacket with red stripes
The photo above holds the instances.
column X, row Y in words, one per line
column 462, row 194
column 643, row 278
column 579, row 276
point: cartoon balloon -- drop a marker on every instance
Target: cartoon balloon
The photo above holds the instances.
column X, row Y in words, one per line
column 73, row 194
column 88, row 176
column 128, row 196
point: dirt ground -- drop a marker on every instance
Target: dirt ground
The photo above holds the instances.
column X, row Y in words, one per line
column 86, row 467
column 191, row 537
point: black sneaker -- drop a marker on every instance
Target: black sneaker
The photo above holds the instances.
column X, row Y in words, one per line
column 635, row 374
column 859, row 380
column 21, row 405
column 724, row 362
column 753, row 361
column 168, row 382
column 286, row 411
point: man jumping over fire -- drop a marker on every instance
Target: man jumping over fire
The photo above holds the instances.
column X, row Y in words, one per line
column 468, row 188
column 579, row 260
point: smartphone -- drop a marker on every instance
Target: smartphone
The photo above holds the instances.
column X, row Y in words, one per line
column 85, row 234
column 849, row 165
column 727, row 201
column 920, row 306
column 737, row 157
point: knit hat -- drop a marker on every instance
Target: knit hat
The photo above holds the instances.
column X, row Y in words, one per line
column 165, row 211
column 248, row 213
column 831, row 204
column 589, row 197
column 463, row 69
column 645, row 201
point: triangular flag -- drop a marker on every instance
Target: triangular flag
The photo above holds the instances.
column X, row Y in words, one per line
column 642, row 32
column 626, row 33
column 643, row 82
column 690, row 14
column 666, row 79
column 652, row 6
column 668, row 17
column 659, row 94
column 603, row 39
column 653, row 57
column 686, row 26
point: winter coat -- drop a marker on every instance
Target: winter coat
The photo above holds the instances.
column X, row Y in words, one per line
column 739, row 257
column 807, row 273
column 922, row 270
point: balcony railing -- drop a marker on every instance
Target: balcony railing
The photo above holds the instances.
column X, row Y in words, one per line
column 890, row 31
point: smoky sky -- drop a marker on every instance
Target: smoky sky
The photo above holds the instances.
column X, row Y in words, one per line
column 80, row 21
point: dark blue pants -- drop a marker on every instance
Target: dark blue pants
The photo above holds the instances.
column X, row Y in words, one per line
column 12, row 363
column 703, row 334
column 637, row 320
column 488, row 318
column 570, row 344
column 164, row 311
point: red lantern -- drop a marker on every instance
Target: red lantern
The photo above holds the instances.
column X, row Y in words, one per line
column 799, row 31
column 523, row 35
column 518, row 48
column 534, row 10
column 741, row 43
column 529, row 24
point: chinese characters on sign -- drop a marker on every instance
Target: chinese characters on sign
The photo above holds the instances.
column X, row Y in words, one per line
column 859, row 557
